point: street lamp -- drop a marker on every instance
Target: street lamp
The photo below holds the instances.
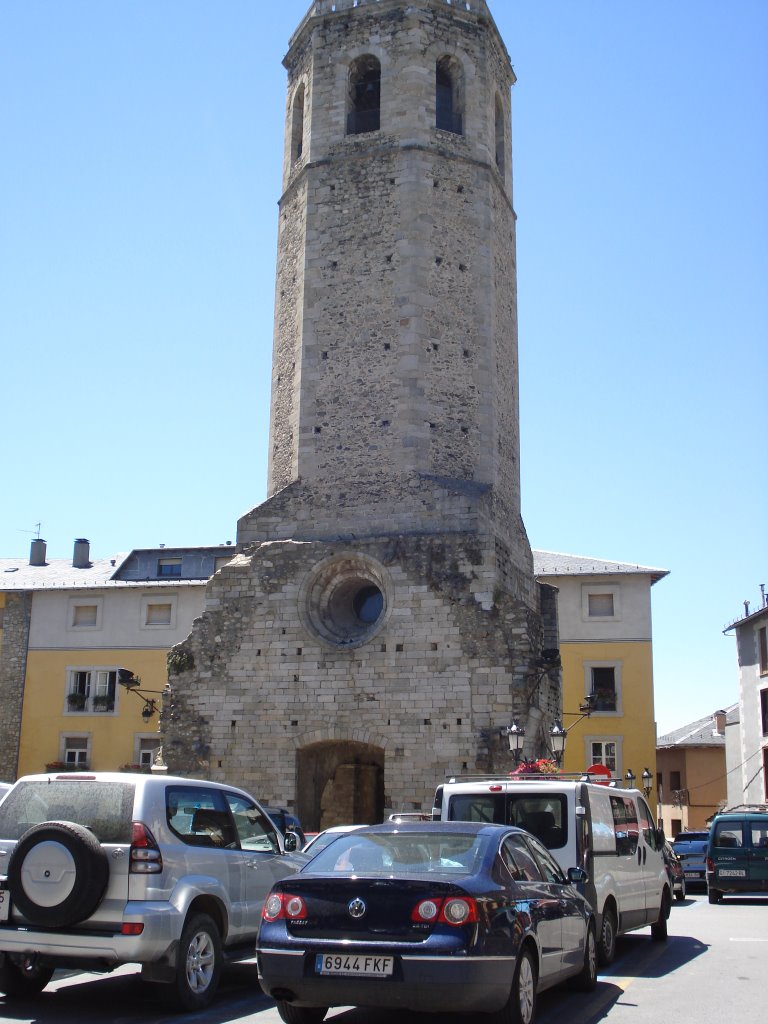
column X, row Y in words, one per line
column 647, row 782
column 132, row 684
column 515, row 734
column 630, row 777
column 557, row 738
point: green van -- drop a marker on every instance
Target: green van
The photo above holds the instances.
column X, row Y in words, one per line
column 737, row 856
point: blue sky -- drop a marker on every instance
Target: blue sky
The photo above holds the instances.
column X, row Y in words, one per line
column 140, row 171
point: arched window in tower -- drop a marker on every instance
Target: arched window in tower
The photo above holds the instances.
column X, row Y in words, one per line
column 499, row 135
column 449, row 95
column 297, row 124
column 364, row 101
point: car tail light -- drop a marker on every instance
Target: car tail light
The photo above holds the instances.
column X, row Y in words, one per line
column 129, row 928
column 282, row 905
column 145, row 856
column 459, row 911
column 710, row 865
column 455, row 911
column 426, row 910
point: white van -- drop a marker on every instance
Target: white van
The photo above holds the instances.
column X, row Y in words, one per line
column 609, row 832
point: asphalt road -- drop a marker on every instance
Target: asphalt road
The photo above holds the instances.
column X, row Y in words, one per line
column 714, row 963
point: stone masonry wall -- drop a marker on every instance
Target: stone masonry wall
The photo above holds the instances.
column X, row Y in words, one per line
column 452, row 663
column 13, row 664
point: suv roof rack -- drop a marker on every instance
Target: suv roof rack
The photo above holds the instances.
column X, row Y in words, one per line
column 745, row 808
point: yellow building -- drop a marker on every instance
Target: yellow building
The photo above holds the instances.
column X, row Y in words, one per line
column 83, row 656
column 604, row 621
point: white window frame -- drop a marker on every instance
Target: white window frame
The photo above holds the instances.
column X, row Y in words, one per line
column 83, row 602
column 597, row 738
column 598, row 589
column 617, row 667
column 141, row 738
column 159, row 597
column 82, row 741
column 96, row 685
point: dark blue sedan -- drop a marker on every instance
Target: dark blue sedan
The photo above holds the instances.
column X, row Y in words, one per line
column 439, row 917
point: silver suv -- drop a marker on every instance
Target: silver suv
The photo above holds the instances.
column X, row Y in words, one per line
column 102, row 869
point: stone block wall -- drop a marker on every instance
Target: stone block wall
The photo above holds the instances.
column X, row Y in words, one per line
column 13, row 665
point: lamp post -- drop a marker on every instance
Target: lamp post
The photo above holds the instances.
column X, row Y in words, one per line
column 557, row 737
column 647, row 782
column 515, row 734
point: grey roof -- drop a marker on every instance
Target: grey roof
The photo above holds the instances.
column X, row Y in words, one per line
column 555, row 563
column 60, row 574
column 701, row 733
column 750, row 617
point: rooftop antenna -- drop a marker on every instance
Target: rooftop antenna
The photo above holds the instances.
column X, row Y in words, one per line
column 36, row 531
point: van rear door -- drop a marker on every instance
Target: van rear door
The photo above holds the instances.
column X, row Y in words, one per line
column 757, row 833
column 730, row 854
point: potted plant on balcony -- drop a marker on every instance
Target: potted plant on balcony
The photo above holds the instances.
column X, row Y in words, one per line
column 56, row 766
column 103, row 702
column 76, row 701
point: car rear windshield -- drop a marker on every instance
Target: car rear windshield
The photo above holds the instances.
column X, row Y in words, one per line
column 402, row 853
column 693, row 842
column 106, row 808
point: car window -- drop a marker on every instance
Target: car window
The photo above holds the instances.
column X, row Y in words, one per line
column 519, row 860
column 647, row 826
column 727, row 834
column 254, row 829
column 550, row 869
column 625, row 825
column 473, row 807
column 405, row 852
column 759, row 834
column 199, row 817
column 545, row 817
column 106, row 808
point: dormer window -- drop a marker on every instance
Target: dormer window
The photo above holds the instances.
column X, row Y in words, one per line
column 169, row 566
column 364, row 99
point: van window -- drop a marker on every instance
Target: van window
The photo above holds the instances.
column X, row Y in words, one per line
column 625, row 825
column 760, row 834
column 646, row 824
column 544, row 815
column 727, row 834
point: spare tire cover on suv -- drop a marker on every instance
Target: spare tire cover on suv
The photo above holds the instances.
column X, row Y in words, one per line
column 57, row 874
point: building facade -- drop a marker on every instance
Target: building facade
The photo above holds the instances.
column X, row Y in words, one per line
column 691, row 773
column 381, row 621
column 748, row 775
column 606, row 646
column 73, row 630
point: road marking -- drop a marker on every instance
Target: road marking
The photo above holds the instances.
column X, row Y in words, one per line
column 747, row 940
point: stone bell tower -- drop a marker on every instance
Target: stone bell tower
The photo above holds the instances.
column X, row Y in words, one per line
column 380, row 622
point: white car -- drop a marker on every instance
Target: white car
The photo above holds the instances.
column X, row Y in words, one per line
column 326, row 837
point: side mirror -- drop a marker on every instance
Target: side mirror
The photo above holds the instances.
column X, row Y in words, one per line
column 290, row 842
column 660, row 838
column 577, row 876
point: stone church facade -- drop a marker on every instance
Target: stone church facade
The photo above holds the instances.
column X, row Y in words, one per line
column 380, row 622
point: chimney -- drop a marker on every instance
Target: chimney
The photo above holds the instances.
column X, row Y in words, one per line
column 81, row 559
column 37, row 552
column 719, row 717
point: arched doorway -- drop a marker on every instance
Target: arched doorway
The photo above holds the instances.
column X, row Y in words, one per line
column 339, row 783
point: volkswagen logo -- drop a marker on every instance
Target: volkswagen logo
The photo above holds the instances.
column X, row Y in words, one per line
column 356, row 907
